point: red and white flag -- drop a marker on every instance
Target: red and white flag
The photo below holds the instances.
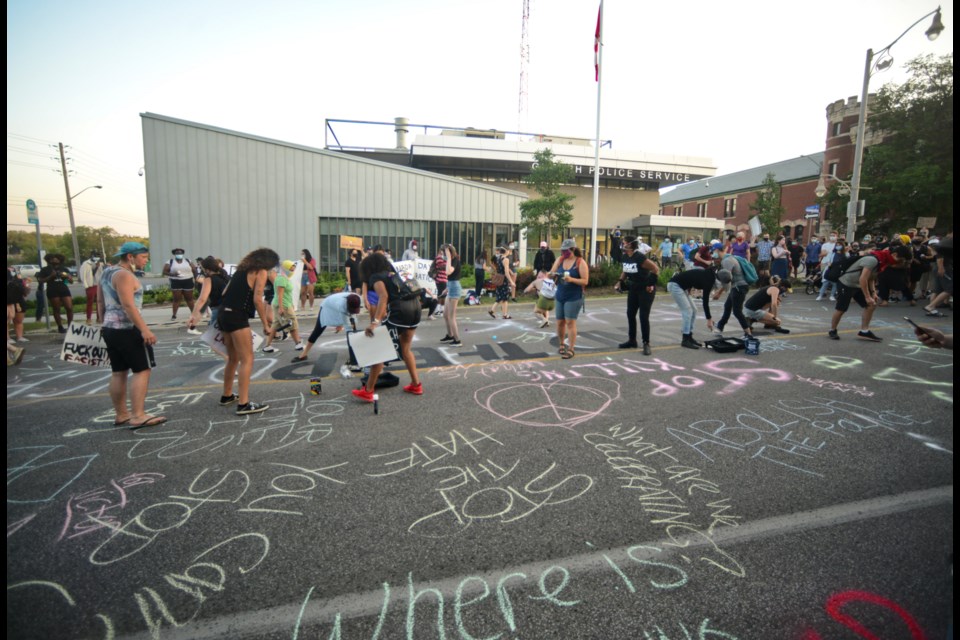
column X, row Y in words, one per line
column 596, row 46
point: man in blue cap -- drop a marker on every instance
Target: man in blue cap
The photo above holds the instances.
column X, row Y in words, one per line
column 129, row 339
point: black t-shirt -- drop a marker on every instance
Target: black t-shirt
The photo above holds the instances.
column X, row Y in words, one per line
column 56, row 288
column 455, row 263
column 400, row 313
column 636, row 275
column 702, row 279
column 759, row 299
column 356, row 282
column 218, row 282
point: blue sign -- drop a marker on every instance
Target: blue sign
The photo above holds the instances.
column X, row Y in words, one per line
column 814, row 208
column 33, row 216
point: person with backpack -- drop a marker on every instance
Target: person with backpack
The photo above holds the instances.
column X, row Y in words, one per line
column 503, row 280
column 211, row 291
column 398, row 308
column 859, row 282
column 546, row 290
column 742, row 275
column 639, row 277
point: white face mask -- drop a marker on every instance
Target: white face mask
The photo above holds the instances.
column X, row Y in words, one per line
column 178, row 256
column 833, row 238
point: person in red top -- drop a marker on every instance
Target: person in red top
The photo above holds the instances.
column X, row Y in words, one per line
column 308, row 279
column 704, row 256
column 440, row 265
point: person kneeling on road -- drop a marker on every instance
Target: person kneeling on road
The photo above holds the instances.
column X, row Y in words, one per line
column 336, row 310
column 764, row 305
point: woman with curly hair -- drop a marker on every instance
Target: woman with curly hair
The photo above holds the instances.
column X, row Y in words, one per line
column 241, row 299
column 401, row 318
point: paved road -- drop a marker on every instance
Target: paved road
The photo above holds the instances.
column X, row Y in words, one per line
column 805, row 493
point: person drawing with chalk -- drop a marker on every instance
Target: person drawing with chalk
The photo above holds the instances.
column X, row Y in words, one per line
column 400, row 316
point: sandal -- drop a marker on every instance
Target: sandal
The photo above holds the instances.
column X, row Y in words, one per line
column 151, row 421
column 936, row 313
column 492, row 314
column 569, row 353
column 563, row 349
column 508, row 317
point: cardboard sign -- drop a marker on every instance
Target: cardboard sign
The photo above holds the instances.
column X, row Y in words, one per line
column 368, row 351
column 84, row 344
column 295, row 284
column 351, row 242
column 214, row 339
column 418, row 269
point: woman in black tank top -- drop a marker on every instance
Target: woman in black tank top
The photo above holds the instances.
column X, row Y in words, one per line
column 243, row 294
column 214, row 281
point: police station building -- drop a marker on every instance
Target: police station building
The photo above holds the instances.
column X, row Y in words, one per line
column 220, row 192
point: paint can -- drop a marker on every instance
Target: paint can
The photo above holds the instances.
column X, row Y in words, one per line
column 315, row 386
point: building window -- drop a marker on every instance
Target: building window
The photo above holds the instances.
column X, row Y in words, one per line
column 678, row 209
column 729, row 207
column 836, row 128
column 832, row 169
column 702, row 210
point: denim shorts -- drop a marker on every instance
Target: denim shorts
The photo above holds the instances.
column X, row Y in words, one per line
column 454, row 290
column 568, row 310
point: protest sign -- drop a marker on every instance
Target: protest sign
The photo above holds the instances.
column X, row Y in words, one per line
column 84, row 344
column 418, row 269
column 214, row 339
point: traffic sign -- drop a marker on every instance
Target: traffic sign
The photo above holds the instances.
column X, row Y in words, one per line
column 33, row 216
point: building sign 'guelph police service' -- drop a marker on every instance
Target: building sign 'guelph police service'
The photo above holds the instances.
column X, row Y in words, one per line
column 670, row 177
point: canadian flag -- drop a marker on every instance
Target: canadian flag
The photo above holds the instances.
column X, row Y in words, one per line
column 596, row 46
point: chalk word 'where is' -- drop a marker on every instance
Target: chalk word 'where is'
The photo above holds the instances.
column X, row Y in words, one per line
column 494, row 606
column 171, row 602
column 792, row 444
column 667, row 492
column 844, row 387
column 472, row 487
column 294, row 421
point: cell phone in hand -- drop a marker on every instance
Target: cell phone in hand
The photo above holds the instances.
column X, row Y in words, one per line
column 915, row 325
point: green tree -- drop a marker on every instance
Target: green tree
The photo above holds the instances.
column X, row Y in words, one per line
column 553, row 210
column 910, row 173
column 767, row 206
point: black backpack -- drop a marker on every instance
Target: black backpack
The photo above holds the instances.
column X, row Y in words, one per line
column 839, row 266
column 409, row 289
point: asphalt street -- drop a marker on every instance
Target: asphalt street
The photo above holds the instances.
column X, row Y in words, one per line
column 805, row 493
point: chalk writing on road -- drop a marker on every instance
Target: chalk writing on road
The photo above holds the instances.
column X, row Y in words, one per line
column 844, row 387
column 294, row 421
column 776, row 439
column 100, row 508
column 471, row 486
column 836, row 603
column 666, row 490
column 555, row 404
column 493, row 605
column 40, row 473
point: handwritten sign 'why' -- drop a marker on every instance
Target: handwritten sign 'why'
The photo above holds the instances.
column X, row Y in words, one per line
column 84, row 344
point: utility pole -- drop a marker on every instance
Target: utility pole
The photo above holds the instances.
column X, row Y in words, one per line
column 73, row 227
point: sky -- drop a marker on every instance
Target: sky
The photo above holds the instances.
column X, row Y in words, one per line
column 743, row 83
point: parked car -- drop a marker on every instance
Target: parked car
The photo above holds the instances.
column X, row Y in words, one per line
column 73, row 272
column 27, row 270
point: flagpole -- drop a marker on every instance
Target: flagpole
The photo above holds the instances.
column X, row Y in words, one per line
column 596, row 159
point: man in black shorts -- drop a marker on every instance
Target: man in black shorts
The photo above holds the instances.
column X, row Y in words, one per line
column 859, row 282
column 129, row 340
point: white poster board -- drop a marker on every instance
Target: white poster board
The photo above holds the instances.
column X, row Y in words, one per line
column 295, row 284
column 84, row 344
column 375, row 350
column 418, row 269
column 754, row 223
column 214, row 339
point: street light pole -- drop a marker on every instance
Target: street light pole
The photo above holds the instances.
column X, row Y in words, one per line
column 884, row 60
column 73, row 226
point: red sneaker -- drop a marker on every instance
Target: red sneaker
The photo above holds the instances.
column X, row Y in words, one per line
column 363, row 394
column 415, row 389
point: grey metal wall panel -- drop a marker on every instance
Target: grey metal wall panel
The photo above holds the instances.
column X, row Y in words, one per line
column 213, row 191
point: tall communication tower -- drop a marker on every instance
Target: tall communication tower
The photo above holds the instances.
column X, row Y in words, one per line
column 524, row 65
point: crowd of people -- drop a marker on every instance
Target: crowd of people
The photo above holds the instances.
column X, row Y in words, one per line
column 913, row 265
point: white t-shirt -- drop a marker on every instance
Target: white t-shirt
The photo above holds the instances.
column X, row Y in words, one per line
column 827, row 247
column 180, row 270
